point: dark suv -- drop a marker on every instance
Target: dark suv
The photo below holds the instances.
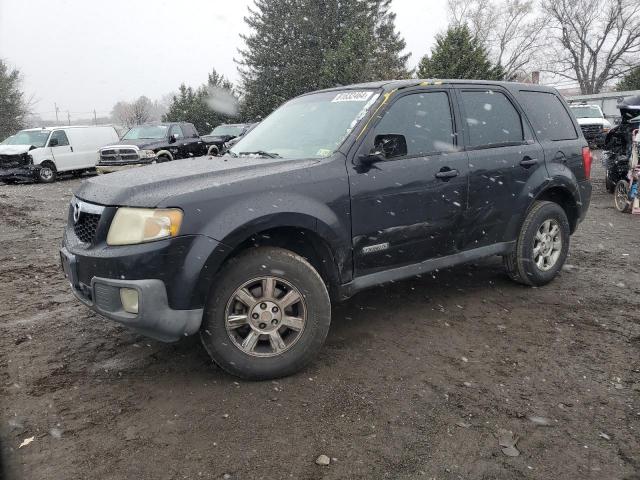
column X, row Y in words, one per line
column 336, row 191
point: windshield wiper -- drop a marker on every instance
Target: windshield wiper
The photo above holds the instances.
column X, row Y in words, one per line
column 262, row 153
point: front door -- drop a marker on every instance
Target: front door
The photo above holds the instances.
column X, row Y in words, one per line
column 407, row 206
column 62, row 151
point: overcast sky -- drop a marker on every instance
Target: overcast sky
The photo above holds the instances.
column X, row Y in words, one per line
column 84, row 54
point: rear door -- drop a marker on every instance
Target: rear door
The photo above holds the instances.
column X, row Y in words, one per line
column 503, row 156
column 63, row 153
column 556, row 131
column 180, row 145
column 407, row 208
column 194, row 145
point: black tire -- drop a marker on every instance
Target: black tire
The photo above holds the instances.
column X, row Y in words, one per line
column 621, row 197
column 254, row 264
column 520, row 264
column 609, row 184
column 213, row 151
column 47, row 172
column 164, row 158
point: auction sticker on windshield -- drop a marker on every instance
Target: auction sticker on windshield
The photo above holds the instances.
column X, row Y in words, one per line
column 352, row 97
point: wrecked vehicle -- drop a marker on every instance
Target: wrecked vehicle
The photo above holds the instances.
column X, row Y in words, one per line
column 220, row 136
column 152, row 143
column 592, row 123
column 41, row 153
column 618, row 143
column 336, row 191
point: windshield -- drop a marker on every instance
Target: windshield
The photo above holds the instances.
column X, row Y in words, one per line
column 37, row 138
column 147, row 132
column 231, row 130
column 587, row 111
column 311, row 126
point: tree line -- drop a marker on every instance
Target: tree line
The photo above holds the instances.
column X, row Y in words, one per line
column 296, row 46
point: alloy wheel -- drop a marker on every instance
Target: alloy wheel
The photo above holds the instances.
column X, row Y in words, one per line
column 265, row 316
column 547, row 245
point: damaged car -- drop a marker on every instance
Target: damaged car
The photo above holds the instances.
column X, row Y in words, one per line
column 618, row 142
column 42, row 153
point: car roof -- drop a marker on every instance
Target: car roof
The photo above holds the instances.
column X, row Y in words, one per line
column 389, row 85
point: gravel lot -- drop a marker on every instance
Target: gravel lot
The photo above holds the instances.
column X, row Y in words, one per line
column 415, row 381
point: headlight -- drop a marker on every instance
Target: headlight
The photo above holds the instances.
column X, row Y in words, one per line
column 138, row 225
column 147, row 153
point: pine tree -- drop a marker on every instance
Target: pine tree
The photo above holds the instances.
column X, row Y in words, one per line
column 631, row 81
column 13, row 108
column 297, row 46
column 457, row 54
column 194, row 106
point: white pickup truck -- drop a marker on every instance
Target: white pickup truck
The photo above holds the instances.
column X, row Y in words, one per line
column 592, row 123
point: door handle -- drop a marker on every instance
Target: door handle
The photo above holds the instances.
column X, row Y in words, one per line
column 447, row 172
column 526, row 162
column 71, row 148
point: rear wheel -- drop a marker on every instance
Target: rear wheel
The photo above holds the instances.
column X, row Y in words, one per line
column 621, row 196
column 267, row 315
column 542, row 245
column 47, row 173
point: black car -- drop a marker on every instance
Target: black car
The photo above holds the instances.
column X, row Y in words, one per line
column 152, row 143
column 221, row 135
column 336, row 191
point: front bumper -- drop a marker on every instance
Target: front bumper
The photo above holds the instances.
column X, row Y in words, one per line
column 116, row 168
column 25, row 172
column 155, row 318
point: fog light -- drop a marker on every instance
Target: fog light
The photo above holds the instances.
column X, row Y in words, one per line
column 129, row 299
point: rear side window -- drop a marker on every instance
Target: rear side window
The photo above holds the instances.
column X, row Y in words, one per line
column 491, row 119
column 425, row 121
column 548, row 116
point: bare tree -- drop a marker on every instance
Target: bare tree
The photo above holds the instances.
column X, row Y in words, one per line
column 140, row 111
column 510, row 30
column 596, row 41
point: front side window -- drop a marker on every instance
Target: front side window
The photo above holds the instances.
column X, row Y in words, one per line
column 176, row 131
column 423, row 119
column 61, row 137
column 548, row 116
column 491, row 118
column 310, row 126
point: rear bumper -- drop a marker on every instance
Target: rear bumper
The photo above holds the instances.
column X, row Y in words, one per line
column 585, row 198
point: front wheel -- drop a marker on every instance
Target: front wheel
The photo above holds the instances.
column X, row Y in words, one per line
column 542, row 245
column 621, row 196
column 267, row 315
column 47, row 173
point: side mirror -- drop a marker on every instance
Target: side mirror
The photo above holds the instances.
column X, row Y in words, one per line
column 391, row 145
column 172, row 138
column 53, row 142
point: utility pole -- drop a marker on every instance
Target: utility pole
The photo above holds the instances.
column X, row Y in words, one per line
column 95, row 117
column 68, row 118
column 57, row 109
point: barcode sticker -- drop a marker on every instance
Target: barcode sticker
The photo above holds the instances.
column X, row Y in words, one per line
column 352, row 96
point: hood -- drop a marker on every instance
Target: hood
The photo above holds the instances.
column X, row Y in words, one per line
column 15, row 149
column 150, row 185
column 143, row 143
column 594, row 121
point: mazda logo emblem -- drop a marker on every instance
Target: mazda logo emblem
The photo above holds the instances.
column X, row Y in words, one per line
column 76, row 212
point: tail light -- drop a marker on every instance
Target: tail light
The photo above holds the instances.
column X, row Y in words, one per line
column 586, row 162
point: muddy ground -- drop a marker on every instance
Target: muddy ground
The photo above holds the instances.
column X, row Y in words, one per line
column 415, row 380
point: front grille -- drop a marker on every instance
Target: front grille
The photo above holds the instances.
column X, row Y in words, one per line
column 86, row 226
column 113, row 156
column 591, row 130
column 14, row 161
